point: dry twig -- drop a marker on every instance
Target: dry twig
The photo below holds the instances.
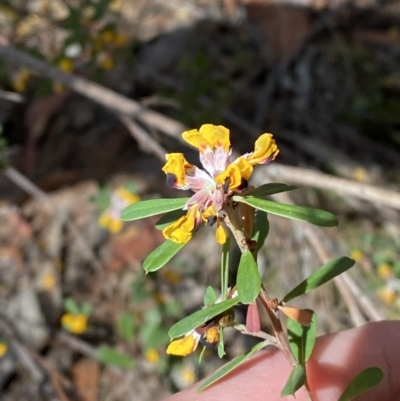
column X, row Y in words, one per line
column 99, row 94
column 370, row 193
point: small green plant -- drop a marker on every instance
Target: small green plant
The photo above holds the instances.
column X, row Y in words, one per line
column 224, row 199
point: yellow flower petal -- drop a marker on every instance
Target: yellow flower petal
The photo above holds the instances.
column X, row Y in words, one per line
column 110, row 223
column 238, row 171
column 76, row 324
column 220, row 234
column 3, row 349
column 152, row 355
column 212, row 335
column 127, row 196
column 209, row 135
column 181, row 231
column 265, row 150
column 177, row 165
column 184, row 346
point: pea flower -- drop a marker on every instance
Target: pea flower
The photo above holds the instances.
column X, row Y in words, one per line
column 111, row 217
column 216, row 182
column 208, row 333
column 76, row 324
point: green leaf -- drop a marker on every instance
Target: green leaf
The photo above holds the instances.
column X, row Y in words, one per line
column 248, row 279
column 161, row 256
column 225, row 268
column 221, row 348
column 302, row 338
column 325, row 273
column 126, row 326
column 296, row 379
column 151, row 207
column 201, row 316
column 364, row 381
column 71, row 306
column 169, row 218
column 110, row 356
column 314, row 216
column 210, row 296
column 230, row 366
column 87, row 309
column 261, row 228
column 269, row 189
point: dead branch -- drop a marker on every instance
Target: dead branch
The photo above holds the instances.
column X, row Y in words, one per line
column 98, row 93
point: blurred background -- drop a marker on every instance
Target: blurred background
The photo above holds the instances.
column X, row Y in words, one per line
column 79, row 319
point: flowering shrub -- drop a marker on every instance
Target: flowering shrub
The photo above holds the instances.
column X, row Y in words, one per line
column 223, row 198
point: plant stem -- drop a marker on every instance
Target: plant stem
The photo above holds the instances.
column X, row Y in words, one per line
column 233, row 224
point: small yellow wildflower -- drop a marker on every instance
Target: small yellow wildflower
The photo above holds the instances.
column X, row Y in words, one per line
column 111, row 217
column 360, row 174
column 219, row 180
column 76, row 324
column 120, row 39
column 3, row 348
column 66, row 65
column 58, row 87
column 152, row 356
column 356, row 254
column 385, row 271
column 48, row 281
column 388, row 295
column 188, row 375
column 106, row 62
column 108, row 35
column 208, row 333
column 21, row 79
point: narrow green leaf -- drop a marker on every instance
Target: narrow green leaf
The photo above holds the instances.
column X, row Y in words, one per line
column 210, row 296
column 110, row 356
column 314, row 216
column 225, row 268
column 230, row 366
column 151, row 207
column 364, row 381
column 126, row 326
column 269, row 189
column 161, row 255
column 201, row 316
column 296, row 379
column 325, row 273
column 169, row 218
column 248, row 279
column 87, row 309
column 261, row 228
column 302, row 338
column 71, row 306
column 221, row 347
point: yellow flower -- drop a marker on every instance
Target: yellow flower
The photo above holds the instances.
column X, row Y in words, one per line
column 76, row 324
column 21, row 79
column 106, row 62
column 3, row 348
column 216, row 182
column 185, row 345
column 110, row 219
column 120, row 39
column 48, row 281
column 152, row 356
column 188, row 375
column 66, row 65
column 108, row 35
column 388, row 295
column 356, row 254
column 385, row 271
column 208, row 333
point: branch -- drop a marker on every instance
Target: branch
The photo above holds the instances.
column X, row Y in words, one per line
column 99, row 94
